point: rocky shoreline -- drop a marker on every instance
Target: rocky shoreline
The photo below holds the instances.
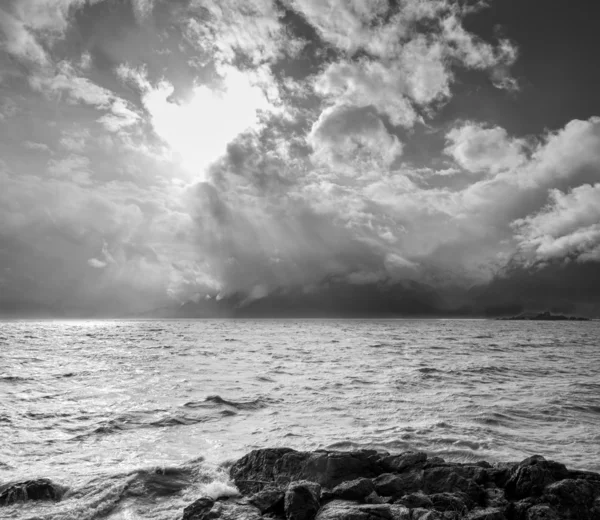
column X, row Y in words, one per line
column 282, row 483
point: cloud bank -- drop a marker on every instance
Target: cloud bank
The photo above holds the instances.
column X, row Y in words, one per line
column 263, row 153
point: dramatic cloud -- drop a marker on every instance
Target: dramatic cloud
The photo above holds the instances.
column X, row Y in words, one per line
column 480, row 149
column 567, row 228
column 198, row 130
column 347, row 136
column 331, row 154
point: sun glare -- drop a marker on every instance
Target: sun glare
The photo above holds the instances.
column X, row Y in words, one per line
column 198, row 131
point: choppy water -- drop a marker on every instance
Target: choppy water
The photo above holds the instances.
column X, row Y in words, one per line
column 135, row 418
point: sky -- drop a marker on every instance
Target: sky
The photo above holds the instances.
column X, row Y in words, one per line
column 345, row 156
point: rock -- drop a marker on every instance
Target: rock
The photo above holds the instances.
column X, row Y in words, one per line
column 403, row 461
column 500, row 473
column 494, row 497
column 415, row 500
column 448, row 502
column 302, row 500
column 256, row 469
column 433, row 462
column 518, row 510
column 532, row 475
column 374, row 498
column 573, row 498
column 448, row 480
column 354, row 489
column 199, row 510
column 490, row 513
column 542, row 512
column 268, row 500
column 40, row 489
column 347, row 510
column 393, row 484
column 425, row 514
column 207, row 509
column 367, row 485
column 281, row 466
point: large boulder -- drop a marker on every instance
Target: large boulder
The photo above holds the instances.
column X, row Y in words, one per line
column 574, row 498
column 256, row 469
column 532, row 475
column 281, row 466
column 302, row 500
column 40, row 489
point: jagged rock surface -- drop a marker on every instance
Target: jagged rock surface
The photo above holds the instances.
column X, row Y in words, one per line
column 40, row 489
column 369, row 485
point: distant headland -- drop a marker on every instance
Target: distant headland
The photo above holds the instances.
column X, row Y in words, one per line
column 544, row 316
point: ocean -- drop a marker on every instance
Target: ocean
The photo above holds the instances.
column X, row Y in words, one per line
column 136, row 419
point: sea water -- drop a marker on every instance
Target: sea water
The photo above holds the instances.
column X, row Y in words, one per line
column 136, row 419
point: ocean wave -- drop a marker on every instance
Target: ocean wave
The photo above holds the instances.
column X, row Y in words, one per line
column 213, row 408
column 148, row 493
column 13, row 379
column 217, row 400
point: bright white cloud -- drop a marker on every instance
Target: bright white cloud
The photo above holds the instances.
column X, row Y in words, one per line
column 478, row 148
column 568, row 227
column 18, row 41
column 351, row 139
column 199, row 130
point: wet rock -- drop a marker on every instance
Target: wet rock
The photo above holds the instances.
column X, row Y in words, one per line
column 542, row 512
column 532, row 475
column 486, row 514
column 433, row 462
column 208, row 509
column 302, row 500
column 500, row 473
column 448, row 480
column 256, row 469
column 367, row 485
column 518, row 510
column 494, row 497
column 403, row 461
column 354, row 489
column 425, row 514
column 449, row 502
column 573, row 498
column 281, row 466
column 346, row 510
column 39, row 489
column 268, row 500
column 199, row 510
column 415, row 500
column 374, row 498
column 393, row 484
